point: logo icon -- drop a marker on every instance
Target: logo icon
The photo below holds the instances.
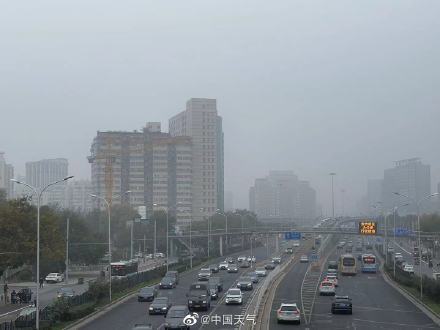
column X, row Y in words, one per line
column 191, row 319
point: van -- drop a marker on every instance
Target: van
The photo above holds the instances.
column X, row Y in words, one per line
column 199, row 296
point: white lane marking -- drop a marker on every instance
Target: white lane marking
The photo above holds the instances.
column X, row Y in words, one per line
column 14, row 311
column 428, row 326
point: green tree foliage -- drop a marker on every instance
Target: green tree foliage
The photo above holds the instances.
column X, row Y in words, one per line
column 430, row 223
column 18, row 224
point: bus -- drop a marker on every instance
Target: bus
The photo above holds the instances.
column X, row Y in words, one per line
column 369, row 264
column 347, row 264
column 124, row 268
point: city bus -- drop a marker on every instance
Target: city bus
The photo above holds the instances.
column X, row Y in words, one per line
column 347, row 264
column 369, row 264
column 124, row 268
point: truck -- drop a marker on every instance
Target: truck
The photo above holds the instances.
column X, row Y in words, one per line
column 199, row 296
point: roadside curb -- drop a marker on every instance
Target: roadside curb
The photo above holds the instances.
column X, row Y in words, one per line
column 409, row 296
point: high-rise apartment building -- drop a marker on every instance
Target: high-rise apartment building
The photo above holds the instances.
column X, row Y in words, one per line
column 409, row 177
column 281, row 196
column 78, row 196
column 6, row 174
column 41, row 173
column 154, row 166
column 201, row 122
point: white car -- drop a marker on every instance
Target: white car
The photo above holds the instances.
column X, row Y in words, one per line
column 288, row 313
column 241, row 258
column 304, row 258
column 408, row 268
column 296, row 244
column 54, row 278
column 260, row 272
column 332, row 278
column 398, row 256
column 234, row 296
column 223, row 265
column 327, row 288
column 251, row 259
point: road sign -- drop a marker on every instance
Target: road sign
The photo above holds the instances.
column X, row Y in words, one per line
column 402, row 232
column 367, row 228
column 292, row 235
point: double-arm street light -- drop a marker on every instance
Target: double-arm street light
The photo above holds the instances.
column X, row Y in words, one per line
column 418, row 203
column 39, row 192
column 395, row 208
column 108, row 205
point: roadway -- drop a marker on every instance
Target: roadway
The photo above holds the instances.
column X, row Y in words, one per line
column 131, row 312
column 376, row 305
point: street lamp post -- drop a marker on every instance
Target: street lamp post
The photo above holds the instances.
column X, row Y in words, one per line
column 333, row 196
column 394, row 233
column 418, row 202
column 167, row 236
column 218, row 211
column 39, row 193
column 107, row 203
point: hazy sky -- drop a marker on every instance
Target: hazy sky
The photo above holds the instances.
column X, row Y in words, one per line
column 311, row 86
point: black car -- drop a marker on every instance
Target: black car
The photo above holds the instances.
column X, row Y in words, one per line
column 244, row 264
column 167, row 283
column 160, row 305
column 342, row 304
column 245, row 283
column 230, row 260
column 253, row 277
column 214, row 268
column 175, row 316
column 218, row 281
column 213, row 289
column 147, row 294
column 232, row 268
column 269, row 266
column 173, row 273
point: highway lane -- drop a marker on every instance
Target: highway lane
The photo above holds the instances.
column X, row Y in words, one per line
column 132, row 312
column 376, row 305
column 288, row 291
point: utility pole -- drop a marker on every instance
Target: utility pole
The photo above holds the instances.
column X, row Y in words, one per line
column 67, row 251
column 155, row 235
column 131, row 240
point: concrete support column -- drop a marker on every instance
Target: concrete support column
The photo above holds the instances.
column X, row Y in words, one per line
column 221, row 246
column 277, row 243
column 172, row 249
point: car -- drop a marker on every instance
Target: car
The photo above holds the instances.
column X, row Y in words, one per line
column 342, row 304
column 333, row 279
column 332, row 264
column 241, row 258
column 218, row 281
column 142, row 327
column 234, row 296
column 251, row 259
column 296, row 244
column 289, row 250
column 147, row 293
column 288, row 313
column 214, row 268
column 327, row 288
column 232, row 268
column 65, row 293
column 253, row 277
column 204, row 274
column 245, row 283
column 369, row 246
column 230, row 260
column 359, row 257
column 261, row 272
column 244, row 264
column 332, row 272
column 54, row 278
column 175, row 316
column 391, row 249
column 304, row 259
column 398, row 256
column 408, row 268
column 160, row 305
column 167, row 283
column 213, row 289
column 270, row 266
column 276, row 260
column 223, row 265
column 173, row 273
